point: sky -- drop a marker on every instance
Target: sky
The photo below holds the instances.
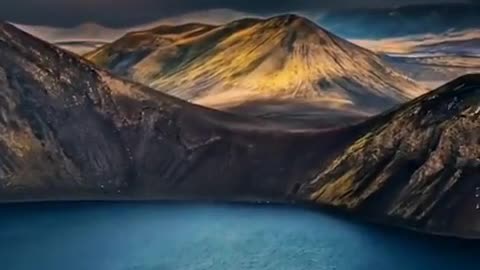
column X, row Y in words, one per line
column 118, row 13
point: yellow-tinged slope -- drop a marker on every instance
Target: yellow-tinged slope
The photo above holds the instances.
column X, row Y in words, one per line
column 281, row 58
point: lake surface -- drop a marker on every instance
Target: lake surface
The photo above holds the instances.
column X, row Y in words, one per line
column 171, row 236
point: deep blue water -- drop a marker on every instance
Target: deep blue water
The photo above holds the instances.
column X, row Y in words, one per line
column 169, row 236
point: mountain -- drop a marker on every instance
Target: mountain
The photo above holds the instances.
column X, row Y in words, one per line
column 80, row 47
column 287, row 57
column 72, row 131
column 434, row 71
column 79, row 39
column 431, row 59
column 97, row 32
column 417, row 166
column 87, row 31
column 378, row 23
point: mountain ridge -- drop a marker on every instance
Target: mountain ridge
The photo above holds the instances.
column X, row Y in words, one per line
column 282, row 57
column 414, row 164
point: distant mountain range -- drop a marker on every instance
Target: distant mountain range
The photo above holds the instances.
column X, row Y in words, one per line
column 265, row 61
column 87, row 36
column 453, row 43
column 430, row 59
column 71, row 131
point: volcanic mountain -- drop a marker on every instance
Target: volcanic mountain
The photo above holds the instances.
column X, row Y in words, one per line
column 417, row 166
column 71, row 131
column 261, row 61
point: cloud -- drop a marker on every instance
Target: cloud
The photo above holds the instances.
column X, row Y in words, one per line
column 119, row 13
column 417, row 43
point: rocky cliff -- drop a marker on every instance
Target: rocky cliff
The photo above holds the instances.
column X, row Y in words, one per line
column 417, row 166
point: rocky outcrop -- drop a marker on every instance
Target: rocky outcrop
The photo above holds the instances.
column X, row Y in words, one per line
column 417, row 166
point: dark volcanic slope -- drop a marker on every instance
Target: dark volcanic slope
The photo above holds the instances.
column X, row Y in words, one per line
column 70, row 131
column 418, row 166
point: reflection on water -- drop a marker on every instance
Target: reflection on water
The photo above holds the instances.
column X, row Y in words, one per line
column 167, row 236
